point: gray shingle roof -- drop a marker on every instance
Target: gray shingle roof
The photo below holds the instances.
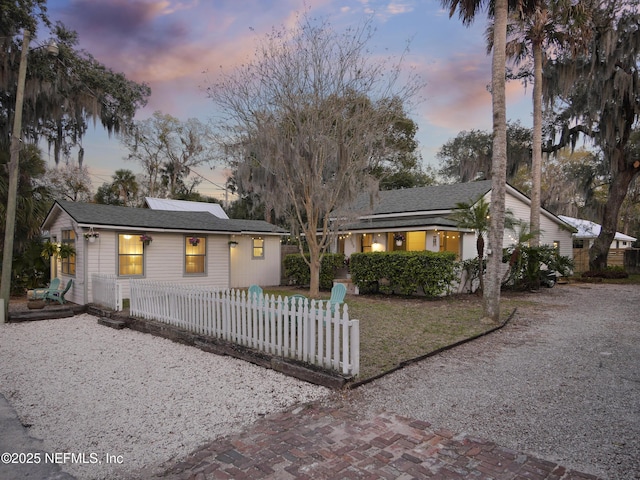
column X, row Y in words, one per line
column 142, row 218
column 422, row 199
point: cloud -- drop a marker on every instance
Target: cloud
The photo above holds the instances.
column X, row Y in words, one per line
column 395, row 8
column 127, row 36
column 456, row 92
column 382, row 10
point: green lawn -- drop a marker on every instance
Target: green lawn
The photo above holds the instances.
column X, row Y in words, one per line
column 394, row 329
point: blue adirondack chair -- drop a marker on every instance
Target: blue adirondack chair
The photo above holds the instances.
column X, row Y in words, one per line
column 58, row 295
column 255, row 290
column 42, row 292
column 338, row 292
column 293, row 300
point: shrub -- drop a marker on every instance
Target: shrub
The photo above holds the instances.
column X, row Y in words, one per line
column 468, row 273
column 525, row 264
column 298, row 272
column 609, row 272
column 403, row 272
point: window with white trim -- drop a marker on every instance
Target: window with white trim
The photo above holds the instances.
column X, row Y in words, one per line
column 195, row 255
column 257, row 248
column 130, row 255
column 68, row 264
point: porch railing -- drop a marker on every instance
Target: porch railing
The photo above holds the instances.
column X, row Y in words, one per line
column 107, row 292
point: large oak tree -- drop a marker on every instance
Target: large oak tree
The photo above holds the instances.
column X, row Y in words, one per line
column 600, row 92
column 304, row 122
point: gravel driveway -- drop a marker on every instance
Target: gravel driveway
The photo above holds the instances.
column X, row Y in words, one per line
column 143, row 400
column 561, row 381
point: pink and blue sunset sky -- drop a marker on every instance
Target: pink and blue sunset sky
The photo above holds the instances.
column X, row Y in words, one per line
column 175, row 46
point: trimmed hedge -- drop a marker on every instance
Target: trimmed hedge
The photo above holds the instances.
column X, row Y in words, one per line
column 298, row 272
column 403, row 272
column 609, row 273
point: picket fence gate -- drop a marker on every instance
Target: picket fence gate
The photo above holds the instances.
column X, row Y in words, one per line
column 106, row 290
column 290, row 327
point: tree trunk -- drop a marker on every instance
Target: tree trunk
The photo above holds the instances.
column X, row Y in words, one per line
column 536, row 158
column 314, row 270
column 617, row 192
column 480, row 249
column 491, row 292
column 14, row 172
column 314, row 256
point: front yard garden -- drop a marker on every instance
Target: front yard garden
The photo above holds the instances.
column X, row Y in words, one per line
column 395, row 329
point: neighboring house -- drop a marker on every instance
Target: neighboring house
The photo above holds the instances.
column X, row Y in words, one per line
column 187, row 247
column 418, row 219
column 588, row 231
column 585, row 235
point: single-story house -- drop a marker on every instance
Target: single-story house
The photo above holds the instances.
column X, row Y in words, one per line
column 583, row 238
column 587, row 232
column 418, row 219
column 180, row 247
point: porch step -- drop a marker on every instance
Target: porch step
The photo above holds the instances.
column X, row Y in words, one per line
column 44, row 314
column 352, row 288
column 112, row 322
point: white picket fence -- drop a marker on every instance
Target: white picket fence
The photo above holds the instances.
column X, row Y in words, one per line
column 107, row 292
column 295, row 328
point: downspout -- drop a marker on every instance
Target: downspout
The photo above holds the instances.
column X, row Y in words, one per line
column 85, row 268
column 85, row 291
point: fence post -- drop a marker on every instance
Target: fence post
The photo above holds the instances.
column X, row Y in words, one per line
column 355, row 347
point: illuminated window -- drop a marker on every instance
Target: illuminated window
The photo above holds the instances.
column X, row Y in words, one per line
column 195, row 255
column 416, row 241
column 130, row 255
column 450, row 242
column 68, row 265
column 257, row 248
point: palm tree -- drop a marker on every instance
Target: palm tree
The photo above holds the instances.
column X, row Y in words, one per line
column 498, row 9
column 550, row 27
column 125, row 183
column 476, row 217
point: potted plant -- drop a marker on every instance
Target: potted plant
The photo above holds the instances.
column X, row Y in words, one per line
column 91, row 236
column 399, row 238
column 35, row 304
column 65, row 250
column 146, row 239
column 194, row 241
column 49, row 249
column 233, row 243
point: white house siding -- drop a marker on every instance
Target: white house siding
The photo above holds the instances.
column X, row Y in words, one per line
column 350, row 244
column 469, row 248
column 551, row 231
column 100, row 258
column 76, row 293
column 164, row 262
column 246, row 270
